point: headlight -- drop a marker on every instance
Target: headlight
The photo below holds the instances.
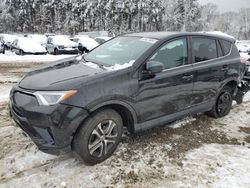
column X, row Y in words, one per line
column 61, row 47
column 47, row 98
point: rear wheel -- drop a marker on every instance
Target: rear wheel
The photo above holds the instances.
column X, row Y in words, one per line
column 223, row 104
column 98, row 137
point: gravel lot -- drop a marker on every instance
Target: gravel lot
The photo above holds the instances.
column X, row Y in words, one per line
column 194, row 152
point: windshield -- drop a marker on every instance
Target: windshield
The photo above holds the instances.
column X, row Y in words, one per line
column 120, row 51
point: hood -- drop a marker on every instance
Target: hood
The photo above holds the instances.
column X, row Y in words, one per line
column 62, row 75
column 68, row 43
column 88, row 43
column 30, row 45
column 35, row 49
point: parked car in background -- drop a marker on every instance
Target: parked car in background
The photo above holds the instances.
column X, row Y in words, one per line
column 8, row 40
column 61, row 44
column 101, row 40
column 24, row 45
column 246, row 56
column 84, row 106
column 42, row 39
column 2, row 47
column 85, row 43
column 242, row 47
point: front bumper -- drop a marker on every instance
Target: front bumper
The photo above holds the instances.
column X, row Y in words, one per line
column 51, row 128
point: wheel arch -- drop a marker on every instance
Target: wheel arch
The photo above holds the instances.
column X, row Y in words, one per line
column 232, row 83
column 126, row 111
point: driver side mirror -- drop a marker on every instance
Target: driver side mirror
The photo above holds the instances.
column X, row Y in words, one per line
column 154, row 67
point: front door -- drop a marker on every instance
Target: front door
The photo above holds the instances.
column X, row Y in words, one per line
column 170, row 91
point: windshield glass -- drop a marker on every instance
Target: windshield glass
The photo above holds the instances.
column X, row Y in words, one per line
column 120, row 51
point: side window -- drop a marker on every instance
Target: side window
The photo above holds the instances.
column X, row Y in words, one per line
column 226, row 47
column 172, row 54
column 49, row 41
column 203, row 49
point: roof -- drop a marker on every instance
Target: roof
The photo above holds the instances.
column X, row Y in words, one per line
column 165, row 35
column 155, row 35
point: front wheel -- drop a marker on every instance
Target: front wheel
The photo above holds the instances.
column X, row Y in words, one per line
column 98, row 137
column 223, row 104
column 56, row 51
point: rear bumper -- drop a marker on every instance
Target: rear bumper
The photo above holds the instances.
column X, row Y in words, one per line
column 51, row 128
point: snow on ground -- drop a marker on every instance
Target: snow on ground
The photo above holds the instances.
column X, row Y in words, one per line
column 10, row 57
column 4, row 92
column 193, row 152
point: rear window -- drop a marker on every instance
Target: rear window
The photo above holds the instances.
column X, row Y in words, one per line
column 226, row 47
column 203, row 49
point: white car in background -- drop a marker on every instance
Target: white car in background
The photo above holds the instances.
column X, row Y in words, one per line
column 61, row 44
column 85, row 43
column 42, row 39
column 246, row 56
column 2, row 47
column 8, row 40
column 25, row 45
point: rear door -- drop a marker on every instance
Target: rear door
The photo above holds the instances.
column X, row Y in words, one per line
column 168, row 92
column 210, row 70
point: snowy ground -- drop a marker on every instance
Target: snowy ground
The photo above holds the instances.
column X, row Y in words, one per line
column 194, row 152
column 10, row 57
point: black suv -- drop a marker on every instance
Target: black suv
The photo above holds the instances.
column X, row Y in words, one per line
column 135, row 81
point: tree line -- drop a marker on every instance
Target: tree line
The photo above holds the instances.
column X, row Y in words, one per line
column 119, row 16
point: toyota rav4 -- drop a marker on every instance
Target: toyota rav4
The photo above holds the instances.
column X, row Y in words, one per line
column 134, row 82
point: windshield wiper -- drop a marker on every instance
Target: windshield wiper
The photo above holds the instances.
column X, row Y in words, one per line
column 99, row 65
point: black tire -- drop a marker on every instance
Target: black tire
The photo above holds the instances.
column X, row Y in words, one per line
column 223, row 103
column 3, row 51
column 56, row 52
column 98, row 137
column 21, row 52
column 84, row 50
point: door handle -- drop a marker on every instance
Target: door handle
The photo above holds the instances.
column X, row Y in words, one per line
column 188, row 77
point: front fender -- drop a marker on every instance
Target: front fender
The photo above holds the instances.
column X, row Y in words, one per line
column 114, row 100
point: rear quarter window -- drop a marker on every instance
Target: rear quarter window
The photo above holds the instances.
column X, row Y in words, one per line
column 226, row 46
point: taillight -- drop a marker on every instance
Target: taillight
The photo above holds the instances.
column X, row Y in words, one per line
column 243, row 60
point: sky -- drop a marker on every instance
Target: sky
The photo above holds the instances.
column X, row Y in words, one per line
column 228, row 5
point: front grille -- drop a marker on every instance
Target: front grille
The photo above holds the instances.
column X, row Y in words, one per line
column 23, row 100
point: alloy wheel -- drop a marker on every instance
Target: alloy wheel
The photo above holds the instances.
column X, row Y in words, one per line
column 103, row 138
column 224, row 102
